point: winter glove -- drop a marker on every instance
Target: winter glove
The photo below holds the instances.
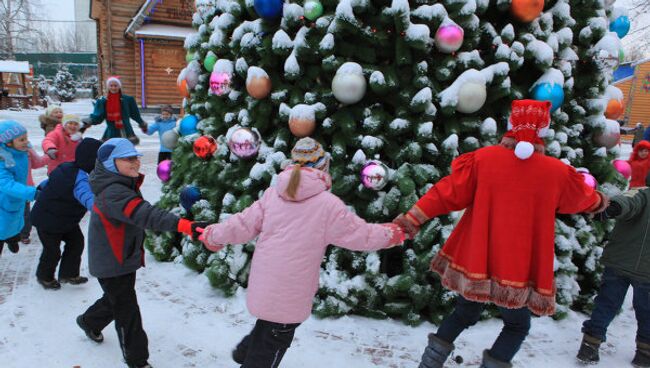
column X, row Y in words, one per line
column 144, row 128
column 408, row 226
column 188, row 227
column 614, row 209
column 51, row 153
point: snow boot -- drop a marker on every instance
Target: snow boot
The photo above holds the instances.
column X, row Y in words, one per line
column 143, row 365
column 77, row 280
column 642, row 356
column 49, row 285
column 490, row 362
column 588, row 352
column 436, row 352
column 13, row 246
column 239, row 353
column 95, row 336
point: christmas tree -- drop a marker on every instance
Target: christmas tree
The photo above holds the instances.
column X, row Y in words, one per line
column 65, row 85
column 395, row 90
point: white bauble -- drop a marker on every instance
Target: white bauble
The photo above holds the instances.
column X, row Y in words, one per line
column 170, row 139
column 610, row 136
column 471, row 97
column 349, row 85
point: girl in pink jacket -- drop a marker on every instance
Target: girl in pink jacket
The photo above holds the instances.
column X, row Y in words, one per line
column 61, row 143
column 35, row 161
column 294, row 221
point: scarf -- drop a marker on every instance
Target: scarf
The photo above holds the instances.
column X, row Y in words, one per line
column 114, row 109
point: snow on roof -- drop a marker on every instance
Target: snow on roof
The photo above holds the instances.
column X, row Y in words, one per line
column 164, row 31
column 10, row 66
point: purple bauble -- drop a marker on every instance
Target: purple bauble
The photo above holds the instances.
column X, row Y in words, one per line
column 164, row 170
column 449, row 38
column 374, row 175
column 623, row 167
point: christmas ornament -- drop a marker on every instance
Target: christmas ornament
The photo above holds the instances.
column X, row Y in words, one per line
column 608, row 51
column 471, row 97
column 219, row 83
column 620, row 25
column 349, row 85
column 164, row 170
column 209, row 61
column 170, row 139
column 258, row 83
column 621, row 56
column 610, row 136
column 183, row 90
column 549, row 92
column 302, row 120
column 313, row 9
column 589, row 179
column 526, row 10
column 268, row 9
column 189, row 56
column 374, row 175
column 615, row 106
column 244, row 143
column 449, row 37
column 204, row 147
column 189, row 195
column 623, row 167
column 188, row 125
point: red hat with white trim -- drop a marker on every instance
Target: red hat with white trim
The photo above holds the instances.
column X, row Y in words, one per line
column 528, row 118
column 114, row 78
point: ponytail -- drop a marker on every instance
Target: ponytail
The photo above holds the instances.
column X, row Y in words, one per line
column 294, row 182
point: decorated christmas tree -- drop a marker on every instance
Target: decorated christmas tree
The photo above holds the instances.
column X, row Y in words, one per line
column 65, row 85
column 395, row 90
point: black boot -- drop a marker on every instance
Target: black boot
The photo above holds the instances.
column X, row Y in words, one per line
column 143, row 365
column 588, row 352
column 436, row 352
column 642, row 356
column 490, row 362
column 77, row 280
column 239, row 354
column 93, row 335
column 13, row 246
column 49, row 284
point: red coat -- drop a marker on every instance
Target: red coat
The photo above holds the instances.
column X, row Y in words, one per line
column 502, row 250
column 640, row 167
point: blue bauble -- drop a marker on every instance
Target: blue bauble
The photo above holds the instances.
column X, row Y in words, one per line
column 620, row 25
column 268, row 9
column 549, row 92
column 188, row 125
column 189, row 196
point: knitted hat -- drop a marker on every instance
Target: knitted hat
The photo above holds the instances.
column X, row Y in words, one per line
column 528, row 117
column 115, row 148
column 85, row 154
column 70, row 118
column 114, row 78
column 309, row 153
column 10, row 130
column 51, row 108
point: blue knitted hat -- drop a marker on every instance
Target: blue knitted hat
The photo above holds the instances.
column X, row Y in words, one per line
column 115, row 148
column 10, row 130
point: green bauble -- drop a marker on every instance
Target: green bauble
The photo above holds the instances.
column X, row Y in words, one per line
column 190, row 56
column 313, row 9
column 209, row 61
column 621, row 56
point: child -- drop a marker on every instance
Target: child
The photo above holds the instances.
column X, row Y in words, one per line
column 295, row 222
column 627, row 262
column 63, row 201
column 115, row 246
column 165, row 122
column 60, row 143
column 640, row 164
column 36, row 161
column 14, row 190
column 52, row 117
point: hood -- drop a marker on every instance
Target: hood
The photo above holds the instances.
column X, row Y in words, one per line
column 312, row 182
column 48, row 120
column 159, row 119
column 641, row 145
column 9, row 155
column 101, row 177
column 86, row 154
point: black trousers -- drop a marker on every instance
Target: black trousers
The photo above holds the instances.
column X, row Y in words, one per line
column 51, row 255
column 265, row 346
column 120, row 304
column 27, row 228
column 162, row 156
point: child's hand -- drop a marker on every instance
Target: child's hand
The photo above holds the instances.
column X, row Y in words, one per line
column 204, row 240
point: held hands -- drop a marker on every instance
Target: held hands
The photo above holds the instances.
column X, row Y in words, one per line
column 203, row 238
column 409, row 227
column 144, row 128
column 191, row 228
column 52, row 153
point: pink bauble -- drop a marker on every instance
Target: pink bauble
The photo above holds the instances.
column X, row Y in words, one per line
column 590, row 180
column 449, row 38
column 164, row 170
column 219, row 83
column 374, row 175
column 623, row 167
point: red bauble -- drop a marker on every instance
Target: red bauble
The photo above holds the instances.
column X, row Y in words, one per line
column 204, row 147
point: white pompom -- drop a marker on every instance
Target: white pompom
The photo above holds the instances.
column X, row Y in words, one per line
column 524, row 150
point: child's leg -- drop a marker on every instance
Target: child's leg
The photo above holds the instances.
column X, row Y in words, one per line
column 268, row 343
column 27, row 229
column 641, row 303
column 465, row 314
column 516, row 324
column 50, row 255
column 608, row 302
column 71, row 259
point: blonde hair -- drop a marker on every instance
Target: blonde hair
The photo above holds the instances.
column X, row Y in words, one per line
column 294, row 182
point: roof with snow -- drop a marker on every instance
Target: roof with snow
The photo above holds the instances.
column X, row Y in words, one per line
column 11, row 66
column 164, row 31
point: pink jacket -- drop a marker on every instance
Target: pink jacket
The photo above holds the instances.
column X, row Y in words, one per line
column 36, row 161
column 293, row 237
column 59, row 140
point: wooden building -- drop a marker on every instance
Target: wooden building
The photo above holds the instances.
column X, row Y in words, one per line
column 141, row 41
column 633, row 79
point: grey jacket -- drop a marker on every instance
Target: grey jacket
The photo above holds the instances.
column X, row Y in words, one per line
column 628, row 250
column 117, row 223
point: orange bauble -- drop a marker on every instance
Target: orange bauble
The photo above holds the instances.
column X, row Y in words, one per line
column 614, row 109
column 526, row 10
column 182, row 88
column 259, row 87
column 301, row 127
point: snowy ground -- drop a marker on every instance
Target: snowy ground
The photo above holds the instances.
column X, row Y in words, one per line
column 190, row 325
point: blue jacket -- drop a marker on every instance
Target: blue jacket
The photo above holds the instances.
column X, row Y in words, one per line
column 129, row 111
column 161, row 126
column 14, row 191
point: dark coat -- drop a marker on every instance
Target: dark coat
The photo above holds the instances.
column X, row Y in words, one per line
column 129, row 111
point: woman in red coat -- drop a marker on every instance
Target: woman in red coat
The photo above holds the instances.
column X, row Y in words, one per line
column 502, row 250
column 640, row 164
